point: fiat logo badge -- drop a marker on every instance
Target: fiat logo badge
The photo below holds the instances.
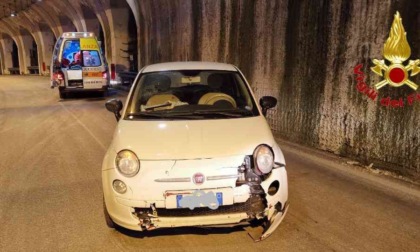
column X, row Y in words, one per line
column 198, row 178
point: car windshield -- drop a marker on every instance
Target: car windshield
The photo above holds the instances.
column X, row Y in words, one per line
column 190, row 94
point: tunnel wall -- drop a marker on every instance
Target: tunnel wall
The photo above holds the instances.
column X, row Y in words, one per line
column 302, row 52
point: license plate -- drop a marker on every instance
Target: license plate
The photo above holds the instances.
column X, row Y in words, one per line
column 92, row 74
column 200, row 198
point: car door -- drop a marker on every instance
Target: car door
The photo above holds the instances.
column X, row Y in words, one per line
column 55, row 65
column 71, row 63
column 94, row 74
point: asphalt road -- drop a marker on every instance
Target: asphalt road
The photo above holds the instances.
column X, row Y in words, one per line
column 51, row 194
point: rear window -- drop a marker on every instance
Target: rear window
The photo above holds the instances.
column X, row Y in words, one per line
column 73, row 56
column 71, row 52
column 91, row 58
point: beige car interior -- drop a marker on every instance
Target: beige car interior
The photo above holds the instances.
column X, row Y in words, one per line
column 215, row 81
column 161, row 98
column 162, row 84
column 215, row 97
column 212, row 98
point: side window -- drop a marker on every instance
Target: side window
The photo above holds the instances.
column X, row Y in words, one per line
column 56, row 51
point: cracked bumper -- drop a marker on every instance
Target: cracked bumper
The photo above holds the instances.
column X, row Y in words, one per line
column 125, row 212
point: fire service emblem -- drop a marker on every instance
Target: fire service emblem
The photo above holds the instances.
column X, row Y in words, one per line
column 396, row 50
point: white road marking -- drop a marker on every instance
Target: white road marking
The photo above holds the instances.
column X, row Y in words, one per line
column 84, row 126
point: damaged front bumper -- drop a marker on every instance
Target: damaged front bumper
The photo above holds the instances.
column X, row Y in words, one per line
column 266, row 225
column 263, row 231
column 152, row 217
column 260, row 203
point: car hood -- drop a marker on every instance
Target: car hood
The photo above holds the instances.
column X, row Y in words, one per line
column 192, row 139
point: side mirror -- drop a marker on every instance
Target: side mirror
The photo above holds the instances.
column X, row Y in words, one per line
column 267, row 102
column 114, row 106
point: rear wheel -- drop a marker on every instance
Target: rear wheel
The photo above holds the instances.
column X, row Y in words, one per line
column 109, row 222
column 105, row 92
column 63, row 95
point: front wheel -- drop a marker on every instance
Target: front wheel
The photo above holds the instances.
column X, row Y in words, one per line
column 109, row 222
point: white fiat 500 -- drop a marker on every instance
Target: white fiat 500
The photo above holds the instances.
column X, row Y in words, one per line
column 192, row 148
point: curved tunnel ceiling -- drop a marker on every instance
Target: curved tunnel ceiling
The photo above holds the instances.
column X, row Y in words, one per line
column 45, row 20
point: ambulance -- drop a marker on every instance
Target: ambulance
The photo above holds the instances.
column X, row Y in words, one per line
column 78, row 64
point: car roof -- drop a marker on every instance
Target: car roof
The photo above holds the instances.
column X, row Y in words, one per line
column 189, row 65
column 78, row 35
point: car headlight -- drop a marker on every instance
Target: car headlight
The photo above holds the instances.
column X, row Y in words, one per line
column 127, row 163
column 263, row 159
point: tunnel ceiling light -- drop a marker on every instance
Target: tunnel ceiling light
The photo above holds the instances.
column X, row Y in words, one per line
column 12, row 8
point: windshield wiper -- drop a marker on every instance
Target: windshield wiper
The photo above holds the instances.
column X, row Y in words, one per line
column 197, row 114
column 229, row 113
column 145, row 114
column 170, row 104
column 153, row 107
column 165, row 115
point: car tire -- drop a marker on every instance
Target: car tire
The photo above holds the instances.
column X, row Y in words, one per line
column 109, row 222
column 63, row 95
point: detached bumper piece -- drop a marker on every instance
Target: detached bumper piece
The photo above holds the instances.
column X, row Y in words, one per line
column 264, row 230
column 151, row 218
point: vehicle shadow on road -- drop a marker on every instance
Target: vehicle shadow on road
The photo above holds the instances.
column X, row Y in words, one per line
column 89, row 96
column 179, row 231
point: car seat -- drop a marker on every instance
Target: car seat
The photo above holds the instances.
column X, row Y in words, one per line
column 162, row 84
column 216, row 97
column 161, row 99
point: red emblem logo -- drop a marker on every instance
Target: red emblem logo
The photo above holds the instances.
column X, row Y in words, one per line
column 395, row 73
column 198, row 178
